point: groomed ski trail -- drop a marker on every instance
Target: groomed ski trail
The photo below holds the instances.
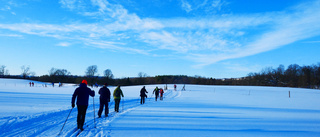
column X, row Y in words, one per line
column 104, row 123
column 50, row 123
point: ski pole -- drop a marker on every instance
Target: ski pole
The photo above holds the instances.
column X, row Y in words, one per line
column 94, row 114
column 122, row 103
column 139, row 99
column 65, row 122
column 110, row 104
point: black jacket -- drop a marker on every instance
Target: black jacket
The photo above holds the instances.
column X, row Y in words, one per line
column 143, row 92
column 105, row 94
column 82, row 94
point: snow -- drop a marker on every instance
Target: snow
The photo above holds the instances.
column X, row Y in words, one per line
column 198, row 111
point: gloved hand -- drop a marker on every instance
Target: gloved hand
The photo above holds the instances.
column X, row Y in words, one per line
column 73, row 105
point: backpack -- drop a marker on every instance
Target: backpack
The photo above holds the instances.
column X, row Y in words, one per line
column 117, row 94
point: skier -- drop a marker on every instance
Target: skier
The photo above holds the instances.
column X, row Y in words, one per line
column 161, row 94
column 175, row 87
column 183, row 88
column 104, row 99
column 156, row 90
column 30, row 84
column 117, row 93
column 82, row 94
column 143, row 92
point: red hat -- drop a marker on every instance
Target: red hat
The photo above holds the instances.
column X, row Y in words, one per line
column 85, row 82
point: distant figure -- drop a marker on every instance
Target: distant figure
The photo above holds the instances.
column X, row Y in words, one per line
column 183, row 88
column 175, row 87
column 161, row 94
column 30, row 84
column 104, row 100
column 82, row 94
column 156, row 90
column 96, row 84
column 143, row 95
column 52, row 84
column 166, row 87
column 60, row 85
column 117, row 93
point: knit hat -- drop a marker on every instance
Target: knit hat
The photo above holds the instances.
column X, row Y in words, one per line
column 85, row 82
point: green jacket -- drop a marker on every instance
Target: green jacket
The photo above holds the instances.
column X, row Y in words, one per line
column 117, row 93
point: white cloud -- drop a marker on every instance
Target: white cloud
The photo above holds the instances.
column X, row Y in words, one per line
column 186, row 6
column 217, row 4
column 204, row 5
column 64, row 44
column 202, row 40
column 11, row 35
column 70, row 4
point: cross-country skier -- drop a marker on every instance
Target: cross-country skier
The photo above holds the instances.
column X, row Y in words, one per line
column 82, row 94
column 156, row 90
column 117, row 93
column 161, row 94
column 183, row 88
column 104, row 99
column 143, row 94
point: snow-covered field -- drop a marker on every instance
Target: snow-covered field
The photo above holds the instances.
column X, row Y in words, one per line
column 198, row 111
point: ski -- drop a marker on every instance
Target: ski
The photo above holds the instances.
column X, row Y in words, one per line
column 79, row 133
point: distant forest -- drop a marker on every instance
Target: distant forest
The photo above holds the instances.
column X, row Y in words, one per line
column 293, row 76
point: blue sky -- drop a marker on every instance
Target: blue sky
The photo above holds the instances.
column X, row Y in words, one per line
column 209, row 38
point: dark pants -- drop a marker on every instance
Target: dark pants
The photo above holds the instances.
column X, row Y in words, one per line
column 142, row 100
column 82, row 109
column 161, row 97
column 157, row 95
column 102, row 105
column 116, row 104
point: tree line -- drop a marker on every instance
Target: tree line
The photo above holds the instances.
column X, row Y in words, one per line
column 293, row 76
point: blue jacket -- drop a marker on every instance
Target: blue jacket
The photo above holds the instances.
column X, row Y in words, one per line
column 82, row 94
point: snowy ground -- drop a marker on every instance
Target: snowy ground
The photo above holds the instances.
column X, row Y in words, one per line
column 198, row 111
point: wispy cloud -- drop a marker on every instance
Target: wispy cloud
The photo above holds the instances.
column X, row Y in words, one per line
column 204, row 40
column 205, row 5
column 64, row 44
column 11, row 35
column 186, row 6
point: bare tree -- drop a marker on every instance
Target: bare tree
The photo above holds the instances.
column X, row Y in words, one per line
column 3, row 71
column 142, row 78
column 58, row 72
column 26, row 71
column 142, row 75
column 58, row 75
column 91, row 71
column 108, row 74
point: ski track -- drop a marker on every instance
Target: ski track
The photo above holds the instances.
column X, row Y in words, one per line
column 50, row 124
